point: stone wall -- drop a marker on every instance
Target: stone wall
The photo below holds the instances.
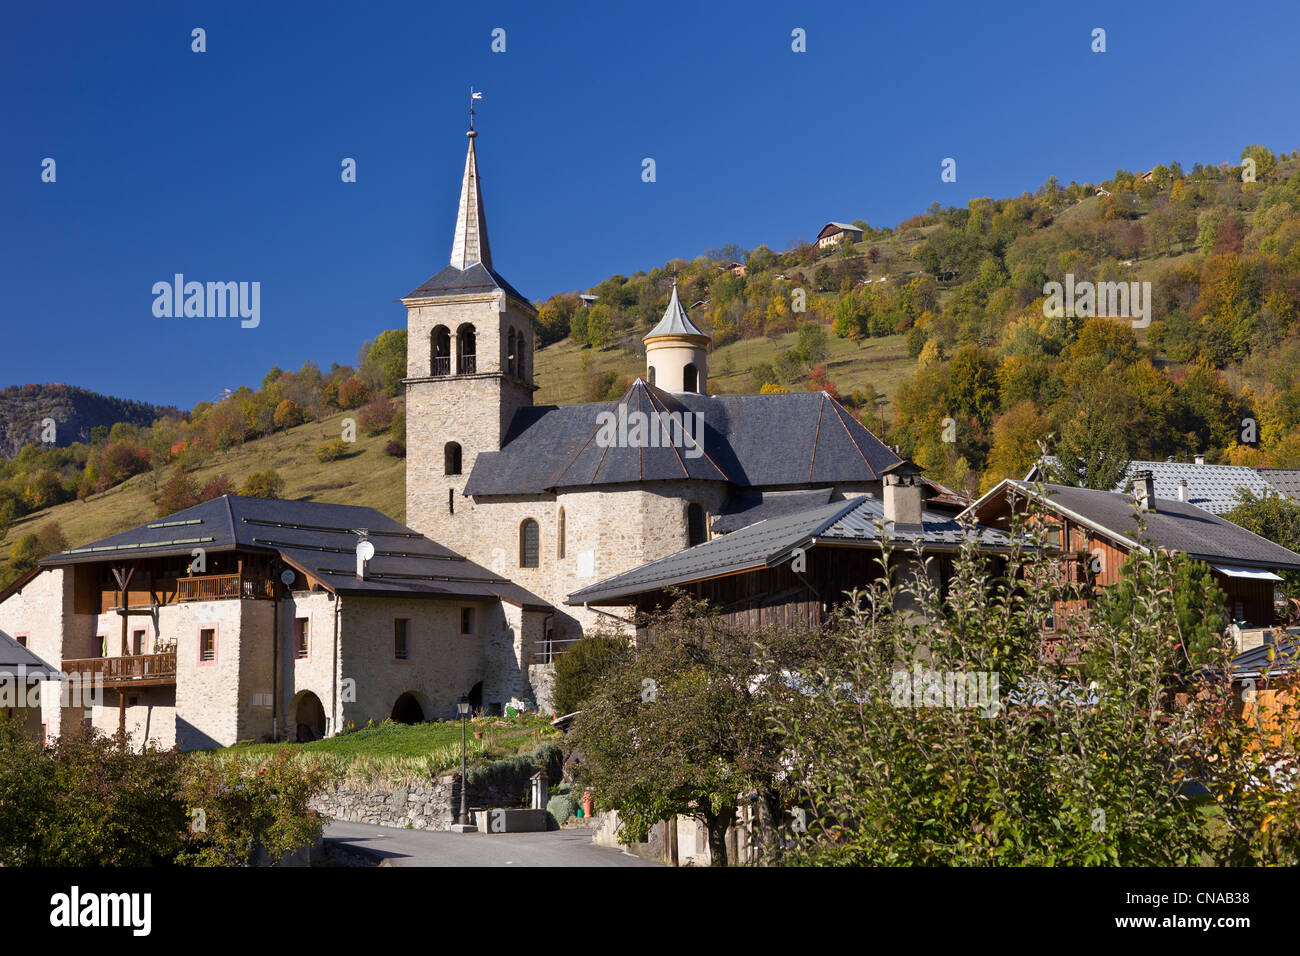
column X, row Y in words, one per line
column 431, row 804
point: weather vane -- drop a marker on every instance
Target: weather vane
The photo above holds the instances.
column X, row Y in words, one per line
column 472, row 97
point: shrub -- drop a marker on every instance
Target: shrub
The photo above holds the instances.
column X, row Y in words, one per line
column 396, row 449
column 332, row 450
column 376, row 416
column 560, row 807
column 218, row 486
column 580, row 668
column 263, row 484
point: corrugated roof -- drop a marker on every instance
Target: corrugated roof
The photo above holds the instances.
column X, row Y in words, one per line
column 852, row 522
column 1173, row 525
column 320, row 539
column 1276, row 658
column 750, row 441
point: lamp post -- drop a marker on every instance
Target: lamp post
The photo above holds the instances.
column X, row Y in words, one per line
column 462, row 821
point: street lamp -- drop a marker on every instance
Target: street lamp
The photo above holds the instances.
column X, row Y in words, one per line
column 462, row 821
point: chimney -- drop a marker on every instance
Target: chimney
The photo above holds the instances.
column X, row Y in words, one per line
column 1182, row 489
column 904, row 494
column 1200, row 459
column 1144, row 490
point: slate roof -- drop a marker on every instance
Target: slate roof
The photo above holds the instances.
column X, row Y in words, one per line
column 750, row 441
column 1279, row 657
column 453, row 281
column 319, row 539
column 1212, row 487
column 769, row 542
column 752, row 507
column 1173, row 525
column 16, row 660
column 675, row 320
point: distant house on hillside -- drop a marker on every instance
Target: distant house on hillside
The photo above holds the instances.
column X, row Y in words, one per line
column 588, row 300
column 1213, row 488
column 834, row 233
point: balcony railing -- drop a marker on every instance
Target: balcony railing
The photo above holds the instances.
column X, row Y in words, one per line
column 218, row 587
column 465, row 365
column 442, row 365
column 142, row 668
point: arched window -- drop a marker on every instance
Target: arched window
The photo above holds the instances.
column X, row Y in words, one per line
column 690, row 379
column 465, row 358
column 697, row 531
column 510, row 353
column 559, row 535
column 652, row 374
column 451, row 458
column 529, row 544
column 521, row 363
column 441, row 339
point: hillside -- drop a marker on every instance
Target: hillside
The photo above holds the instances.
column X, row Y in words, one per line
column 366, row 476
column 76, row 411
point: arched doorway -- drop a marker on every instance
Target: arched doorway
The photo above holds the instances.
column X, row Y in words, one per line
column 476, row 697
column 407, row 710
column 308, row 715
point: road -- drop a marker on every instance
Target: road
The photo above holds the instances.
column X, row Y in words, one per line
column 440, row 848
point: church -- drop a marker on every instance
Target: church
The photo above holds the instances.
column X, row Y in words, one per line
column 541, row 495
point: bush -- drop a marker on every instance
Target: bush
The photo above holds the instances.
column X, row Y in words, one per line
column 250, row 813
column 560, row 807
column 332, row 450
column 580, row 668
column 263, row 484
column 376, row 416
column 396, row 449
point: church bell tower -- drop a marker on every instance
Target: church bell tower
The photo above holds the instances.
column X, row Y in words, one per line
column 469, row 346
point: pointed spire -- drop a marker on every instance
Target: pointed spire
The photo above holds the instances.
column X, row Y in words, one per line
column 470, row 244
column 675, row 320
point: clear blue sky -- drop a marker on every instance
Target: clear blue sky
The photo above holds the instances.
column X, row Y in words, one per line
column 225, row 165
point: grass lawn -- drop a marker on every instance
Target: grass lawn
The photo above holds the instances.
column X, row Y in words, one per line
column 406, row 750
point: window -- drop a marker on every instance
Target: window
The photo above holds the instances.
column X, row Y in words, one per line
column 207, row 645
column 690, row 379
column 451, row 501
column 21, row 639
column 441, row 351
column 696, row 530
column 559, row 535
column 465, row 344
column 401, row 639
column 521, row 360
column 451, row 458
column 301, row 636
column 467, row 621
column 510, row 353
column 528, row 544
column 652, row 374
column 137, row 642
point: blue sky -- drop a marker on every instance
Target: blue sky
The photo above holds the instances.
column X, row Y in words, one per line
column 225, row 165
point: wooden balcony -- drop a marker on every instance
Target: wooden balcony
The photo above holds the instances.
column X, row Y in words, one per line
column 220, row 587
column 138, row 670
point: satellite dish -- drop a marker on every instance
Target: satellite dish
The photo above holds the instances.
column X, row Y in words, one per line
column 287, row 577
column 365, row 550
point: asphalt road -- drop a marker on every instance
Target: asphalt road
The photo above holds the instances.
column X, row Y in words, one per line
column 440, row 848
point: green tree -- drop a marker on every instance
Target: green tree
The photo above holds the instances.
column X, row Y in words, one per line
column 579, row 669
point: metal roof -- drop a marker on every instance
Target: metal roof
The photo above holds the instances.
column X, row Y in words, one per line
column 675, row 320
column 1173, row 525
column 768, row 542
column 750, row 441
column 752, row 507
column 1211, row 487
column 318, row 538
column 18, row 661
column 1278, row 656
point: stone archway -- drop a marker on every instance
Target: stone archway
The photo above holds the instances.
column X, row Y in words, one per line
column 407, row 710
column 307, row 714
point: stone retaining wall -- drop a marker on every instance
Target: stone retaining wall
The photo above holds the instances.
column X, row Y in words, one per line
column 420, row 804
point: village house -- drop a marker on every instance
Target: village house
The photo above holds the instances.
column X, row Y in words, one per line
column 1095, row 531
column 251, row 619
column 833, row 233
